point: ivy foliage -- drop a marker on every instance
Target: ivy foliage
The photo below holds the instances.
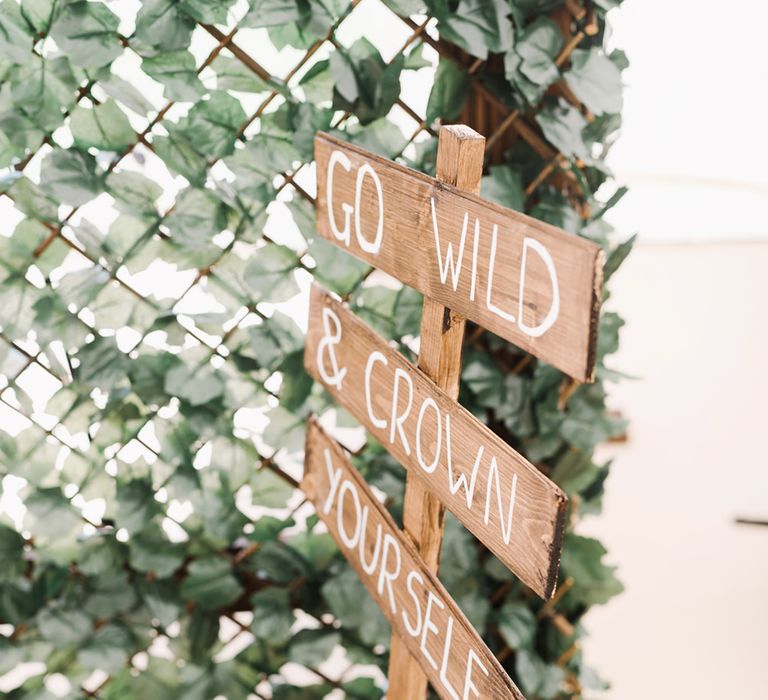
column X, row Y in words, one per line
column 156, row 216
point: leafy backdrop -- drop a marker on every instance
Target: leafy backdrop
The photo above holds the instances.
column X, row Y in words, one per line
column 156, row 194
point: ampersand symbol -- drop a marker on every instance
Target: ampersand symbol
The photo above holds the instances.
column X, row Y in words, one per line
column 329, row 341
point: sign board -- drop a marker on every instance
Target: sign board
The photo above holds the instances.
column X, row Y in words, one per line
column 495, row 492
column 453, row 656
column 533, row 284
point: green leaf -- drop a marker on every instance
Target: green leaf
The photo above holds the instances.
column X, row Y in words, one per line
column 537, row 677
column 107, row 651
column 210, row 583
column 517, row 625
column 50, row 515
column 211, row 125
column 449, row 91
column 272, row 616
column 312, row 647
column 195, row 385
column 596, row 81
column 351, row 604
column 162, row 600
column 104, row 126
column 270, row 490
column 364, row 84
column 64, row 626
column 15, row 41
column 232, row 74
column 11, row 553
column 150, row 551
column 505, row 186
column 162, row 27
column 563, row 127
column 176, row 71
column 617, row 256
column 109, row 594
column 207, row 12
column 595, row 583
column 135, row 504
column 537, row 48
column 478, row 26
column 71, row 176
column 87, row 32
column 270, row 273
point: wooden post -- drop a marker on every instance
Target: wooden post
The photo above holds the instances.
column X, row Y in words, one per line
column 460, row 155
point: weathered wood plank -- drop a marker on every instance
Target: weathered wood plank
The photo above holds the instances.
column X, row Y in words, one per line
column 527, row 281
column 420, row 610
column 460, row 155
column 499, row 496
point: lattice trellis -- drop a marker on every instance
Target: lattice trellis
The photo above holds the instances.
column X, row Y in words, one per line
column 90, row 433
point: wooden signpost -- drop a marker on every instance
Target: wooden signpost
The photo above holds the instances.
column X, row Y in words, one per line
column 420, row 610
column 531, row 283
column 493, row 490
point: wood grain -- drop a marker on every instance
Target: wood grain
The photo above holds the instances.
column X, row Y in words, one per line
column 402, row 222
column 420, row 610
column 499, row 495
column 460, row 155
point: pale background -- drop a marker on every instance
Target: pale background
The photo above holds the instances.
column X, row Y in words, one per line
column 692, row 621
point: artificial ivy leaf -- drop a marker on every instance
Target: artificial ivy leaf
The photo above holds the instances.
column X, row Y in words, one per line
column 517, row 625
column 311, row 647
column 335, row 268
column 180, row 156
column 478, row 26
column 103, row 126
column 64, row 626
column 563, row 127
column 207, row 12
column 162, row 27
column 351, row 604
column 87, row 32
column 505, row 186
column 617, row 256
column 108, row 595
column 272, row 616
column 15, row 41
column 196, row 385
column 537, row 677
column 364, row 84
column 136, row 504
column 100, row 554
column 232, row 74
column 71, row 176
column 50, row 515
column 595, row 80
column 449, row 91
column 270, row 273
column 269, row 490
column 176, row 71
column 41, row 93
column 134, row 194
column 11, row 553
column 537, row 48
column 107, row 651
column 162, row 599
column 211, row 125
column 102, row 363
column 210, row 583
column 150, row 551
column 595, row 583
column 317, row 82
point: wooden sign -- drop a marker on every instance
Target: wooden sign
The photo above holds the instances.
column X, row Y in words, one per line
column 531, row 283
column 453, row 656
column 499, row 496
